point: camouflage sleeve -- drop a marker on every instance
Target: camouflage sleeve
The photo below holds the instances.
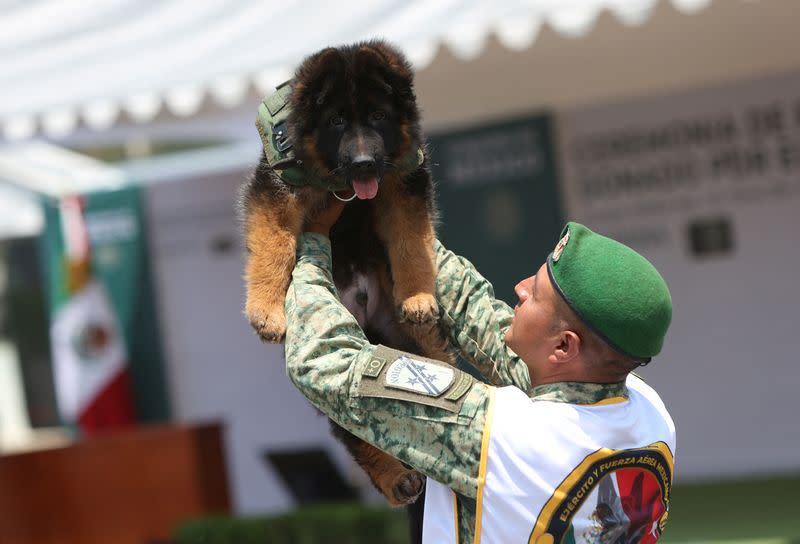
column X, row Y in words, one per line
column 437, row 431
column 476, row 322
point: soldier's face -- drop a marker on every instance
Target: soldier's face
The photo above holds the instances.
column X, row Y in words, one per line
column 531, row 329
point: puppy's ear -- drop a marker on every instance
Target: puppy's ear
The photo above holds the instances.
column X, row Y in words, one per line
column 381, row 83
column 314, row 77
column 322, row 95
column 393, row 71
column 370, row 55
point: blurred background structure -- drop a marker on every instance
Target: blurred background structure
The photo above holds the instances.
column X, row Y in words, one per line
column 126, row 128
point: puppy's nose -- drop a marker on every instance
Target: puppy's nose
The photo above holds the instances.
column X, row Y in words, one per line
column 363, row 163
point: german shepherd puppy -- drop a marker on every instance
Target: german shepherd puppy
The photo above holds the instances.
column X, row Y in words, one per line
column 353, row 125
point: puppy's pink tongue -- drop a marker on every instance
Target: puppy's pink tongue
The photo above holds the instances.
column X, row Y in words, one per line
column 365, row 188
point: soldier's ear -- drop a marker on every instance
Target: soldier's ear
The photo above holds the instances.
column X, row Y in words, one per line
column 566, row 347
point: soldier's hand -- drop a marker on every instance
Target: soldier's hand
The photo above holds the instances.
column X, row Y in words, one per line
column 322, row 221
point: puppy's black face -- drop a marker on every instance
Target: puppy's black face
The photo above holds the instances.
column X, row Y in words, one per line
column 358, row 138
column 352, row 114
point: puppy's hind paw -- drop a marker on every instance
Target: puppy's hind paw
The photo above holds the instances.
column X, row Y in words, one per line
column 270, row 326
column 419, row 309
column 407, row 487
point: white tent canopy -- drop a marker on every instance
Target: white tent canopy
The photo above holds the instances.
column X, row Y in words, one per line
column 32, row 170
column 65, row 62
column 20, row 213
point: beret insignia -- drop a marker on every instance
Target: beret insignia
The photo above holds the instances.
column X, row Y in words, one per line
column 560, row 246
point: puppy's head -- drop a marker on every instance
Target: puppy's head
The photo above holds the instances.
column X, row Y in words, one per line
column 354, row 114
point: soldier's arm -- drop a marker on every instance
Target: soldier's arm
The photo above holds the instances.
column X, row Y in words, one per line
column 475, row 321
column 437, row 431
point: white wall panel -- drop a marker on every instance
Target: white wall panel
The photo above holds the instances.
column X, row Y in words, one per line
column 644, row 171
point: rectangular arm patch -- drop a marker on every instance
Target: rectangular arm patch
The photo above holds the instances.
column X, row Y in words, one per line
column 394, row 374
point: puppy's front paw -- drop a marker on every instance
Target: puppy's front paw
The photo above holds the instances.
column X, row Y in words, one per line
column 420, row 308
column 269, row 324
column 406, row 488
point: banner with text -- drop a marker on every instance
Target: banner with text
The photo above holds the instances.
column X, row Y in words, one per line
column 706, row 184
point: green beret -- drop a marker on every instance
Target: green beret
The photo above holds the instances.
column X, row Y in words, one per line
column 613, row 289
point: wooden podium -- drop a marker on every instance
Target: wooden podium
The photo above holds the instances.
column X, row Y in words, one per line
column 125, row 487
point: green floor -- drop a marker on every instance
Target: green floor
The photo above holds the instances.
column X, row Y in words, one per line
column 763, row 511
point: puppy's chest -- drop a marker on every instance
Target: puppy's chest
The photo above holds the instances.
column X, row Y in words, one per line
column 362, row 276
column 361, row 273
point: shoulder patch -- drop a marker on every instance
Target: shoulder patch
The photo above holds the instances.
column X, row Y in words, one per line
column 393, row 374
column 419, row 376
column 462, row 385
column 374, row 368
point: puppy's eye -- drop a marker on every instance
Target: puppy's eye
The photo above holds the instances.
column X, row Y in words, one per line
column 377, row 115
column 336, row 121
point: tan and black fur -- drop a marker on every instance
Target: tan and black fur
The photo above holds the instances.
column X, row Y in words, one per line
column 354, row 116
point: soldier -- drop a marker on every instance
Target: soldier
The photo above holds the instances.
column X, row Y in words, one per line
column 519, row 458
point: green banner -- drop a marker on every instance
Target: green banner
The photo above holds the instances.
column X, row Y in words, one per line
column 498, row 196
column 119, row 260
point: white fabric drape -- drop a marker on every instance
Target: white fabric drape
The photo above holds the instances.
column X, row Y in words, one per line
column 68, row 61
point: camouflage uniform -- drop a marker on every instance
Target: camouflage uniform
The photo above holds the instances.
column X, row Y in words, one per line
column 330, row 360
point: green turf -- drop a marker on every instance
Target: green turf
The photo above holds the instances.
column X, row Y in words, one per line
column 767, row 511
column 740, row 512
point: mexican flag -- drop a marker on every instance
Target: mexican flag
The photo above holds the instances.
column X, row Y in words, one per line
column 92, row 379
column 90, row 365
